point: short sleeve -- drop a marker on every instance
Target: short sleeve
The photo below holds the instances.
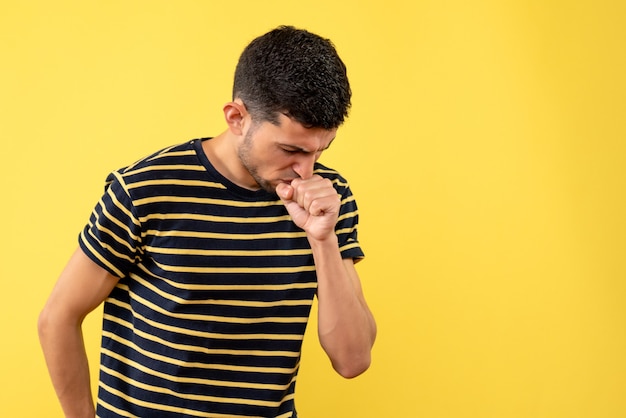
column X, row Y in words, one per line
column 112, row 238
column 347, row 224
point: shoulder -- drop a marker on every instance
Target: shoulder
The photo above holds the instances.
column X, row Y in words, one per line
column 170, row 160
column 180, row 154
column 329, row 173
column 340, row 183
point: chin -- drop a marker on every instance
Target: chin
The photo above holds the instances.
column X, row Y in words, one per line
column 268, row 186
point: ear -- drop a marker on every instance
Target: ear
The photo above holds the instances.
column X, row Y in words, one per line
column 235, row 114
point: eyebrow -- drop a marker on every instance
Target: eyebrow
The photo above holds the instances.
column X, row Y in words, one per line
column 303, row 150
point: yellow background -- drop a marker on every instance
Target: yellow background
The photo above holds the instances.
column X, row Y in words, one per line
column 486, row 147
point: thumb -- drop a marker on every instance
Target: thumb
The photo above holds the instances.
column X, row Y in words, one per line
column 298, row 214
column 284, row 191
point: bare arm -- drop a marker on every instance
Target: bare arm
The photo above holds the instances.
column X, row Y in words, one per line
column 346, row 326
column 81, row 287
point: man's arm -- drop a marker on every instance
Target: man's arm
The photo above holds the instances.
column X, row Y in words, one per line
column 81, row 287
column 346, row 326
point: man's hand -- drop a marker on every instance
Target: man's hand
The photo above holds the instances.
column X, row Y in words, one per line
column 313, row 205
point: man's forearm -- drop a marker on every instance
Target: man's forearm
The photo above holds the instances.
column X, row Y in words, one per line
column 65, row 355
column 346, row 326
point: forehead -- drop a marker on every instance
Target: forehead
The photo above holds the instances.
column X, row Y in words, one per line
column 292, row 133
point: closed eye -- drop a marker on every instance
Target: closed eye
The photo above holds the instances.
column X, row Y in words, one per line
column 294, row 150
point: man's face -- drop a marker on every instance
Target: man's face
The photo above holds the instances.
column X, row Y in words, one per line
column 278, row 154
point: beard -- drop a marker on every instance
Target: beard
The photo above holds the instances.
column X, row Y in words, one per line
column 245, row 154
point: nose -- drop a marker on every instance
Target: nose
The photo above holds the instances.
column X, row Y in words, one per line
column 304, row 165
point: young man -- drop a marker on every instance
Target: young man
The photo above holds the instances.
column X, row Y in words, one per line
column 208, row 255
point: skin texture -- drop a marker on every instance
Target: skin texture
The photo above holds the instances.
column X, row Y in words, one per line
column 81, row 287
column 276, row 157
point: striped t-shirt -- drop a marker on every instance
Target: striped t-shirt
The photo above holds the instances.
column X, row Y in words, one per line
column 216, row 288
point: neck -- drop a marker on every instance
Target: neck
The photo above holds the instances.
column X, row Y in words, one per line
column 222, row 153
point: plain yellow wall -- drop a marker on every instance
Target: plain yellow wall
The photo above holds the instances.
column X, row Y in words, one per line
column 486, row 147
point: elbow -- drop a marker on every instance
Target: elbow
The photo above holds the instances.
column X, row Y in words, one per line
column 50, row 322
column 43, row 325
column 353, row 367
column 349, row 360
